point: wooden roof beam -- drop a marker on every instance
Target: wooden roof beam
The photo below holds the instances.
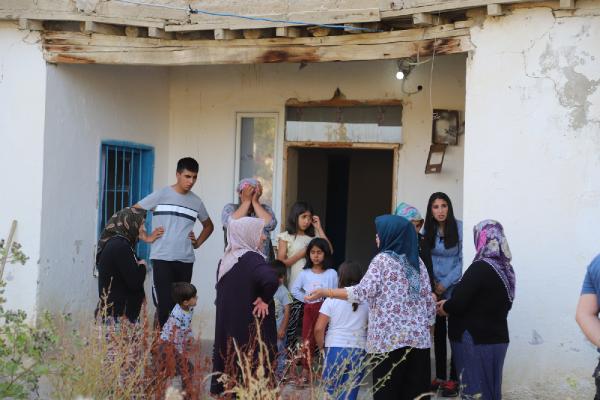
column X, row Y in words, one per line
column 494, row 10
column 567, row 4
column 104, row 29
column 158, row 33
column 133, row 31
column 27, row 24
column 253, row 33
column 78, row 48
column 288, row 31
column 226, row 34
column 422, row 19
column 445, row 6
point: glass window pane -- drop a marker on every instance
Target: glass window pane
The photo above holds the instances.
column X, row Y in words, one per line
column 257, row 150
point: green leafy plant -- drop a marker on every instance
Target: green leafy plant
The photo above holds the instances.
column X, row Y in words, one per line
column 22, row 346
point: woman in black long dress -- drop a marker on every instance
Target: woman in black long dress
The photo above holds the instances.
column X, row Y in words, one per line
column 245, row 287
column 121, row 274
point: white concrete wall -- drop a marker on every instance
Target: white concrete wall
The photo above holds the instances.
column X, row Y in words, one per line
column 85, row 105
column 532, row 161
column 204, row 101
column 22, row 103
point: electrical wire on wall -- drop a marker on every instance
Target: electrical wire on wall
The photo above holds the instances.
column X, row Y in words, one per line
column 191, row 10
column 431, row 71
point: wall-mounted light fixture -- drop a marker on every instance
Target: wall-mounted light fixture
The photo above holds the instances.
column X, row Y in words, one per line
column 404, row 68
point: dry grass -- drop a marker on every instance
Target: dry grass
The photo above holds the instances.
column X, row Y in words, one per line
column 129, row 361
column 121, row 361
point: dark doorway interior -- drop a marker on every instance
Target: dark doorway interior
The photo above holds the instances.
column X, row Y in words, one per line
column 348, row 188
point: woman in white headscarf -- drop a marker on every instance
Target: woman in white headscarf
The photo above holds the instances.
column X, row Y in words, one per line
column 245, row 287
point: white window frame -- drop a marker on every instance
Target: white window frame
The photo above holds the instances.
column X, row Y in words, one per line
column 277, row 165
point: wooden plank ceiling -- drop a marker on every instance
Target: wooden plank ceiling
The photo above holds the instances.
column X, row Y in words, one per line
column 160, row 32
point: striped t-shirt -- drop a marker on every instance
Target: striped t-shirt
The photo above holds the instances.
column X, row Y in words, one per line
column 176, row 213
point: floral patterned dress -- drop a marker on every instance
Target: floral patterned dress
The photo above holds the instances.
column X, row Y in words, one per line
column 397, row 318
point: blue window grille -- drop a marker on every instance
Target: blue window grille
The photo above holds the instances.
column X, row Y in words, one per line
column 126, row 172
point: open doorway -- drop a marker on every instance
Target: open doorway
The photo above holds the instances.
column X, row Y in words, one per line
column 348, row 188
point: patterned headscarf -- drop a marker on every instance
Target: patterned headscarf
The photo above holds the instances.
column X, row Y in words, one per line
column 243, row 235
column 409, row 212
column 398, row 238
column 125, row 223
column 492, row 247
column 247, row 182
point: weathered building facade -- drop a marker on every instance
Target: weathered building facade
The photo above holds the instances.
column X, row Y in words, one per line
column 89, row 87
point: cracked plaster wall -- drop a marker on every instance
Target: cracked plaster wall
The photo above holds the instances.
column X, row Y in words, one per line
column 532, row 161
column 22, row 104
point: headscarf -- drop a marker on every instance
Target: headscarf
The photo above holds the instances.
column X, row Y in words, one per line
column 247, row 182
column 125, row 223
column 243, row 235
column 398, row 238
column 492, row 247
column 409, row 212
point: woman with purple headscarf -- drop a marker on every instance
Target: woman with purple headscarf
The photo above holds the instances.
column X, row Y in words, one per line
column 478, row 310
column 249, row 192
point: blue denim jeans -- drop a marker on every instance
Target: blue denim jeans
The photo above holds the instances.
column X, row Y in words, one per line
column 343, row 372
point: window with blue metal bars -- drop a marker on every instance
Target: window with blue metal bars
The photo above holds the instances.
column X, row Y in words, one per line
column 126, row 171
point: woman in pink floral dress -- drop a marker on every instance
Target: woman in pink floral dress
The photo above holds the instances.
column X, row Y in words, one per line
column 401, row 310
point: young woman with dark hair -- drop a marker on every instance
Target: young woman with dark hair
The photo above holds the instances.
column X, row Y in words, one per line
column 302, row 226
column 443, row 233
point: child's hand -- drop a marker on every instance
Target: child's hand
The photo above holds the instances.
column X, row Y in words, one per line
column 316, row 221
column 281, row 333
column 261, row 309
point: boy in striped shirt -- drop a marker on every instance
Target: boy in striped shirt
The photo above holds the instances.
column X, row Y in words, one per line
column 175, row 209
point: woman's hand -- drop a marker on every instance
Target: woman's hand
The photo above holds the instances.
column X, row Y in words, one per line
column 439, row 308
column 439, row 289
column 156, row 233
column 257, row 193
column 315, row 295
column 261, row 309
column 247, row 194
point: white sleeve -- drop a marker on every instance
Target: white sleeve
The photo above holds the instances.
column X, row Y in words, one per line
column 333, row 279
column 326, row 307
column 296, row 289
